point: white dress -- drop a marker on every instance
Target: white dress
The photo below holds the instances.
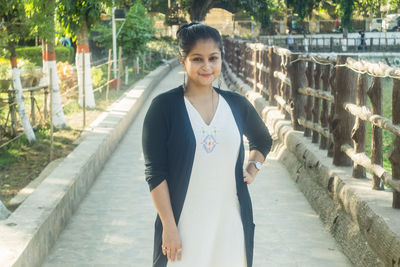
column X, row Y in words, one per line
column 210, row 225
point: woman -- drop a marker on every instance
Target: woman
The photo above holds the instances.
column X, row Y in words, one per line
column 194, row 153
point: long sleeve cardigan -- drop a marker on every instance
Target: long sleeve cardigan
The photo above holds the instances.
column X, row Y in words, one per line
column 169, row 146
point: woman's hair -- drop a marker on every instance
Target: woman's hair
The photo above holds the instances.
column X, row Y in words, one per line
column 189, row 34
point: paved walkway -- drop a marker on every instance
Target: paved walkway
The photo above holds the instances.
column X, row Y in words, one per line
column 114, row 224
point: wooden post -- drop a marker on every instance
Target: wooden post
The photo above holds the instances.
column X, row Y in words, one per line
column 272, row 83
column 46, row 93
column 11, row 104
column 255, row 61
column 51, row 113
column 325, row 107
column 358, row 132
column 332, row 83
column 119, row 68
column 308, row 106
column 342, row 120
column 297, row 76
column 264, row 75
column 33, row 115
column 285, row 89
column 316, row 108
column 236, row 56
column 259, row 70
column 375, row 95
column 108, row 74
column 150, row 58
column 394, row 154
column 144, row 61
column 83, row 89
column 242, row 72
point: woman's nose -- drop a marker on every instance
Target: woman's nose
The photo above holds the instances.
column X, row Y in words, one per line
column 207, row 64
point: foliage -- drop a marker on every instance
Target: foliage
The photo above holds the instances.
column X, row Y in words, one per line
column 137, row 31
column 34, row 54
column 40, row 12
column 165, row 46
column 5, row 68
column 345, row 8
column 14, row 21
column 97, row 76
column 102, row 34
column 66, row 76
column 394, row 4
column 303, row 8
column 369, row 8
column 73, row 13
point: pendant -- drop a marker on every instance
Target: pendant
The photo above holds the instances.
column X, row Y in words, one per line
column 209, row 140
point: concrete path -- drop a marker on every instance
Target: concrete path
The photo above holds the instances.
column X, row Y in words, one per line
column 115, row 222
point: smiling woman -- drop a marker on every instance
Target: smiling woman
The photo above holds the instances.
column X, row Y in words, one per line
column 193, row 148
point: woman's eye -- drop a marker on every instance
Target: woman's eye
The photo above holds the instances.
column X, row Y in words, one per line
column 197, row 59
column 213, row 58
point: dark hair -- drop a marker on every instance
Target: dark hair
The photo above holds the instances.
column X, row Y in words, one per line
column 189, row 34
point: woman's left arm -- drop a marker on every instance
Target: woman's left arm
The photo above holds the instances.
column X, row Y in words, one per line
column 259, row 138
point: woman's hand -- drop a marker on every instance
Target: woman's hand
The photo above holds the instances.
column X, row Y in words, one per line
column 247, row 177
column 171, row 243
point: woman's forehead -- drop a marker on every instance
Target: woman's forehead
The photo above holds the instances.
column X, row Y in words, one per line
column 205, row 46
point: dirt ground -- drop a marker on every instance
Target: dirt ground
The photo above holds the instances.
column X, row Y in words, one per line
column 21, row 162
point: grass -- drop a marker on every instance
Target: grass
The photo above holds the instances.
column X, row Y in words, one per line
column 21, row 162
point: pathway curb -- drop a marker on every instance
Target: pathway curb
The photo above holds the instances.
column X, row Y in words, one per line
column 361, row 220
column 28, row 234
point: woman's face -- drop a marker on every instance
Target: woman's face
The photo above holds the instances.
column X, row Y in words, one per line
column 203, row 63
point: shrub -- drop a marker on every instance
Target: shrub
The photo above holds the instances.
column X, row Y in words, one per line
column 97, row 77
column 5, row 69
column 66, row 76
column 34, row 54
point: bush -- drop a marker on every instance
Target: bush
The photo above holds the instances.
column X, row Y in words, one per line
column 97, row 77
column 34, row 54
column 65, row 54
column 66, row 76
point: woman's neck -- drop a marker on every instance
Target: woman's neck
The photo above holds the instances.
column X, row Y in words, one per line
column 192, row 89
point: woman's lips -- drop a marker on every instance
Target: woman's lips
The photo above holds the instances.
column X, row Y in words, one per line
column 206, row 75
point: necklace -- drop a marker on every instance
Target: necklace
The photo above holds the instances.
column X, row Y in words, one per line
column 212, row 98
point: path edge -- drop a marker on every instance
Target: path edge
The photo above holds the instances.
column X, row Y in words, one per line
column 28, row 234
column 366, row 236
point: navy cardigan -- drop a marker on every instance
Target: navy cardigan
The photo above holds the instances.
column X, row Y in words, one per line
column 169, row 145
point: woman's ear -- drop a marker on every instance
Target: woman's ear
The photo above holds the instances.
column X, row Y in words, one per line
column 182, row 62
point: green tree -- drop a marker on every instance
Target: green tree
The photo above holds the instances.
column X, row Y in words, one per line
column 77, row 17
column 345, row 10
column 137, row 30
column 12, row 13
column 369, row 8
column 42, row 14
column 394, row 4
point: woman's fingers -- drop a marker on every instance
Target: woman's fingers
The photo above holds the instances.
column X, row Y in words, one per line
column 179, row 254
column 173, row 252
column 247, row 178
column 169, row 254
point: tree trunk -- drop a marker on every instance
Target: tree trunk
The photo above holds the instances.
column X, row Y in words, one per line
column 30, row 135
column 49, row 63
column 83, row 51
column 199, row 9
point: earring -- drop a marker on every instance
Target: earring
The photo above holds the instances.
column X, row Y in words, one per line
column 184, row 80
column 219, row 81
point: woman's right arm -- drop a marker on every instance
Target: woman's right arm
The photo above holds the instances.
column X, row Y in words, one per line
column 170, row 236
column 154, row 144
